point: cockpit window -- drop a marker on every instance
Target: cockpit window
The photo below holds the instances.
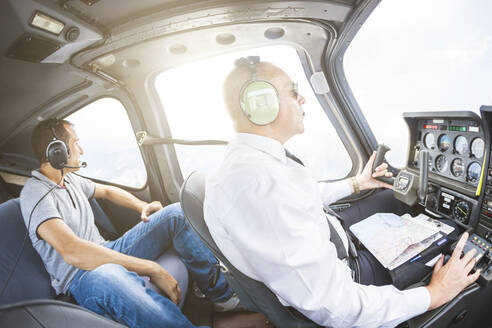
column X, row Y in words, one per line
column 192, row 98
column 419, row 55
column 109, row 145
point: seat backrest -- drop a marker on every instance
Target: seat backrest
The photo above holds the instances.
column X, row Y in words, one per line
column 253, row 294
column 30, row 280
column 103, row 223
column 4, row 191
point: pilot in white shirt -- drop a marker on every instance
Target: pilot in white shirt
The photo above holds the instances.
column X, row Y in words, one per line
column 265, row 212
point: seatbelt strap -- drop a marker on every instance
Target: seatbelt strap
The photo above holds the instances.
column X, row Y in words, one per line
column 337, row 241
column 352, row 247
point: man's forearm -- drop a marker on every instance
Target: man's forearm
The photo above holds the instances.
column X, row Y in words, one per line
column 86, row 255
column 121, row 197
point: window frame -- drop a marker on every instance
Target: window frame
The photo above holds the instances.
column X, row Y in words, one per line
column 131, row 119
column 342, row 90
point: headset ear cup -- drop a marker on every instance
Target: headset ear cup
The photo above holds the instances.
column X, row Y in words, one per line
column 259, row 101
column 57, row 154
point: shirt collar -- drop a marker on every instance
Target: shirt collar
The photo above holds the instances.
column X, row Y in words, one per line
column 264, row 144
column 40, row 176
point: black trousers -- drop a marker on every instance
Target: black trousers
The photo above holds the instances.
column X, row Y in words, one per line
column 371, row 271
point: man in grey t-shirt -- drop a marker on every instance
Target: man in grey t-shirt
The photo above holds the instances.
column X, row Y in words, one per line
column 105, row 276
column 69, row 203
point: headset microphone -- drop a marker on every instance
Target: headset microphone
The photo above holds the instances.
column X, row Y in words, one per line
column 82, row 165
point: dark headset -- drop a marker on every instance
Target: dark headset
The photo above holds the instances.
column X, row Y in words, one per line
column 57, row 151
column 259, row 99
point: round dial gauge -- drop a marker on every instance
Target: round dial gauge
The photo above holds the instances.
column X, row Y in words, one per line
column 477, row 147
column 444, row 142
column 474, row 171
column 461, row 211
column 441, row 163
column 429, row 140
column 460, row 145
column 457, row 167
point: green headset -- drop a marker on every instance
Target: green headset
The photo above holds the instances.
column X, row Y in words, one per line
column 259, row 99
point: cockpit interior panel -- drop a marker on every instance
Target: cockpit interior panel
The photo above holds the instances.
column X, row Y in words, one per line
column 455, row 142
column 459, row 185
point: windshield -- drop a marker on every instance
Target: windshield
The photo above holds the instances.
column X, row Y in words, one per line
column 192, row 98
column 420, row 55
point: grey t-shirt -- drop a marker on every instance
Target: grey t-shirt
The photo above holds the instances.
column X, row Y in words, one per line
column 69, row 203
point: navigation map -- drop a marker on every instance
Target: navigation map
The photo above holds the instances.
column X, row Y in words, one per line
column 395, row 239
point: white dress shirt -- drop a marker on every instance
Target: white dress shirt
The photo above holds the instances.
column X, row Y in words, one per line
column 265, row 213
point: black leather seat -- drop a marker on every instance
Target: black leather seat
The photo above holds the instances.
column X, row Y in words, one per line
column 50, row 313
column 253, row 294
column 30, row 281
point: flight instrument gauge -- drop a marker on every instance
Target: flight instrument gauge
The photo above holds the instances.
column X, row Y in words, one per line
column 474, row 171
column 477, row 147
column 441, row 163
column 460, row 145
column 461, row 211
column 444, row 142
column 429, row 141
column 457, row 167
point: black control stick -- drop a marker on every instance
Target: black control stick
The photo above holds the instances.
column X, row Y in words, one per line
column 424, row 171
column 380, row 154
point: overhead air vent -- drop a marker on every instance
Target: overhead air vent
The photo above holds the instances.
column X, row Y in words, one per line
column 273, row 33
column 178, row 49
column 225, row 38
column 32, row 48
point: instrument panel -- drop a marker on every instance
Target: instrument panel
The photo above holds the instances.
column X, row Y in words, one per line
column 458, row 187
column 455, row 143
column 456, row 148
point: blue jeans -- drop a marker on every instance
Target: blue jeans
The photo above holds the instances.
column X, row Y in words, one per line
column 121, row 295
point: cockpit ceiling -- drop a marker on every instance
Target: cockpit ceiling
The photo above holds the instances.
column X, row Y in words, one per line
column 111, row 13
column 32, row 88
column 138, row 62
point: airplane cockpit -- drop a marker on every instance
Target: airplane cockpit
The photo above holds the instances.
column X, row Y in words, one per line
column 142, row 83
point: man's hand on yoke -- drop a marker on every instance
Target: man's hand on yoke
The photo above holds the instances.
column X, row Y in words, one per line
column 367, row 179
column 450, row 279
column 148, row 209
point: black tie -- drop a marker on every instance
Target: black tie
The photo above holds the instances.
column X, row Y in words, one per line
column 334, row 237
column 293, row 157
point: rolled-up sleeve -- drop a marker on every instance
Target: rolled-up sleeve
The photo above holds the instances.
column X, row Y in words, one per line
column 333, row 191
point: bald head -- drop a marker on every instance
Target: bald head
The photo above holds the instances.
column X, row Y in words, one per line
column 236, row 80
column 289, row 120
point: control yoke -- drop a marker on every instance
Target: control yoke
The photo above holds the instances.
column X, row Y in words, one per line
column 424, row 171
column 380, row 153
